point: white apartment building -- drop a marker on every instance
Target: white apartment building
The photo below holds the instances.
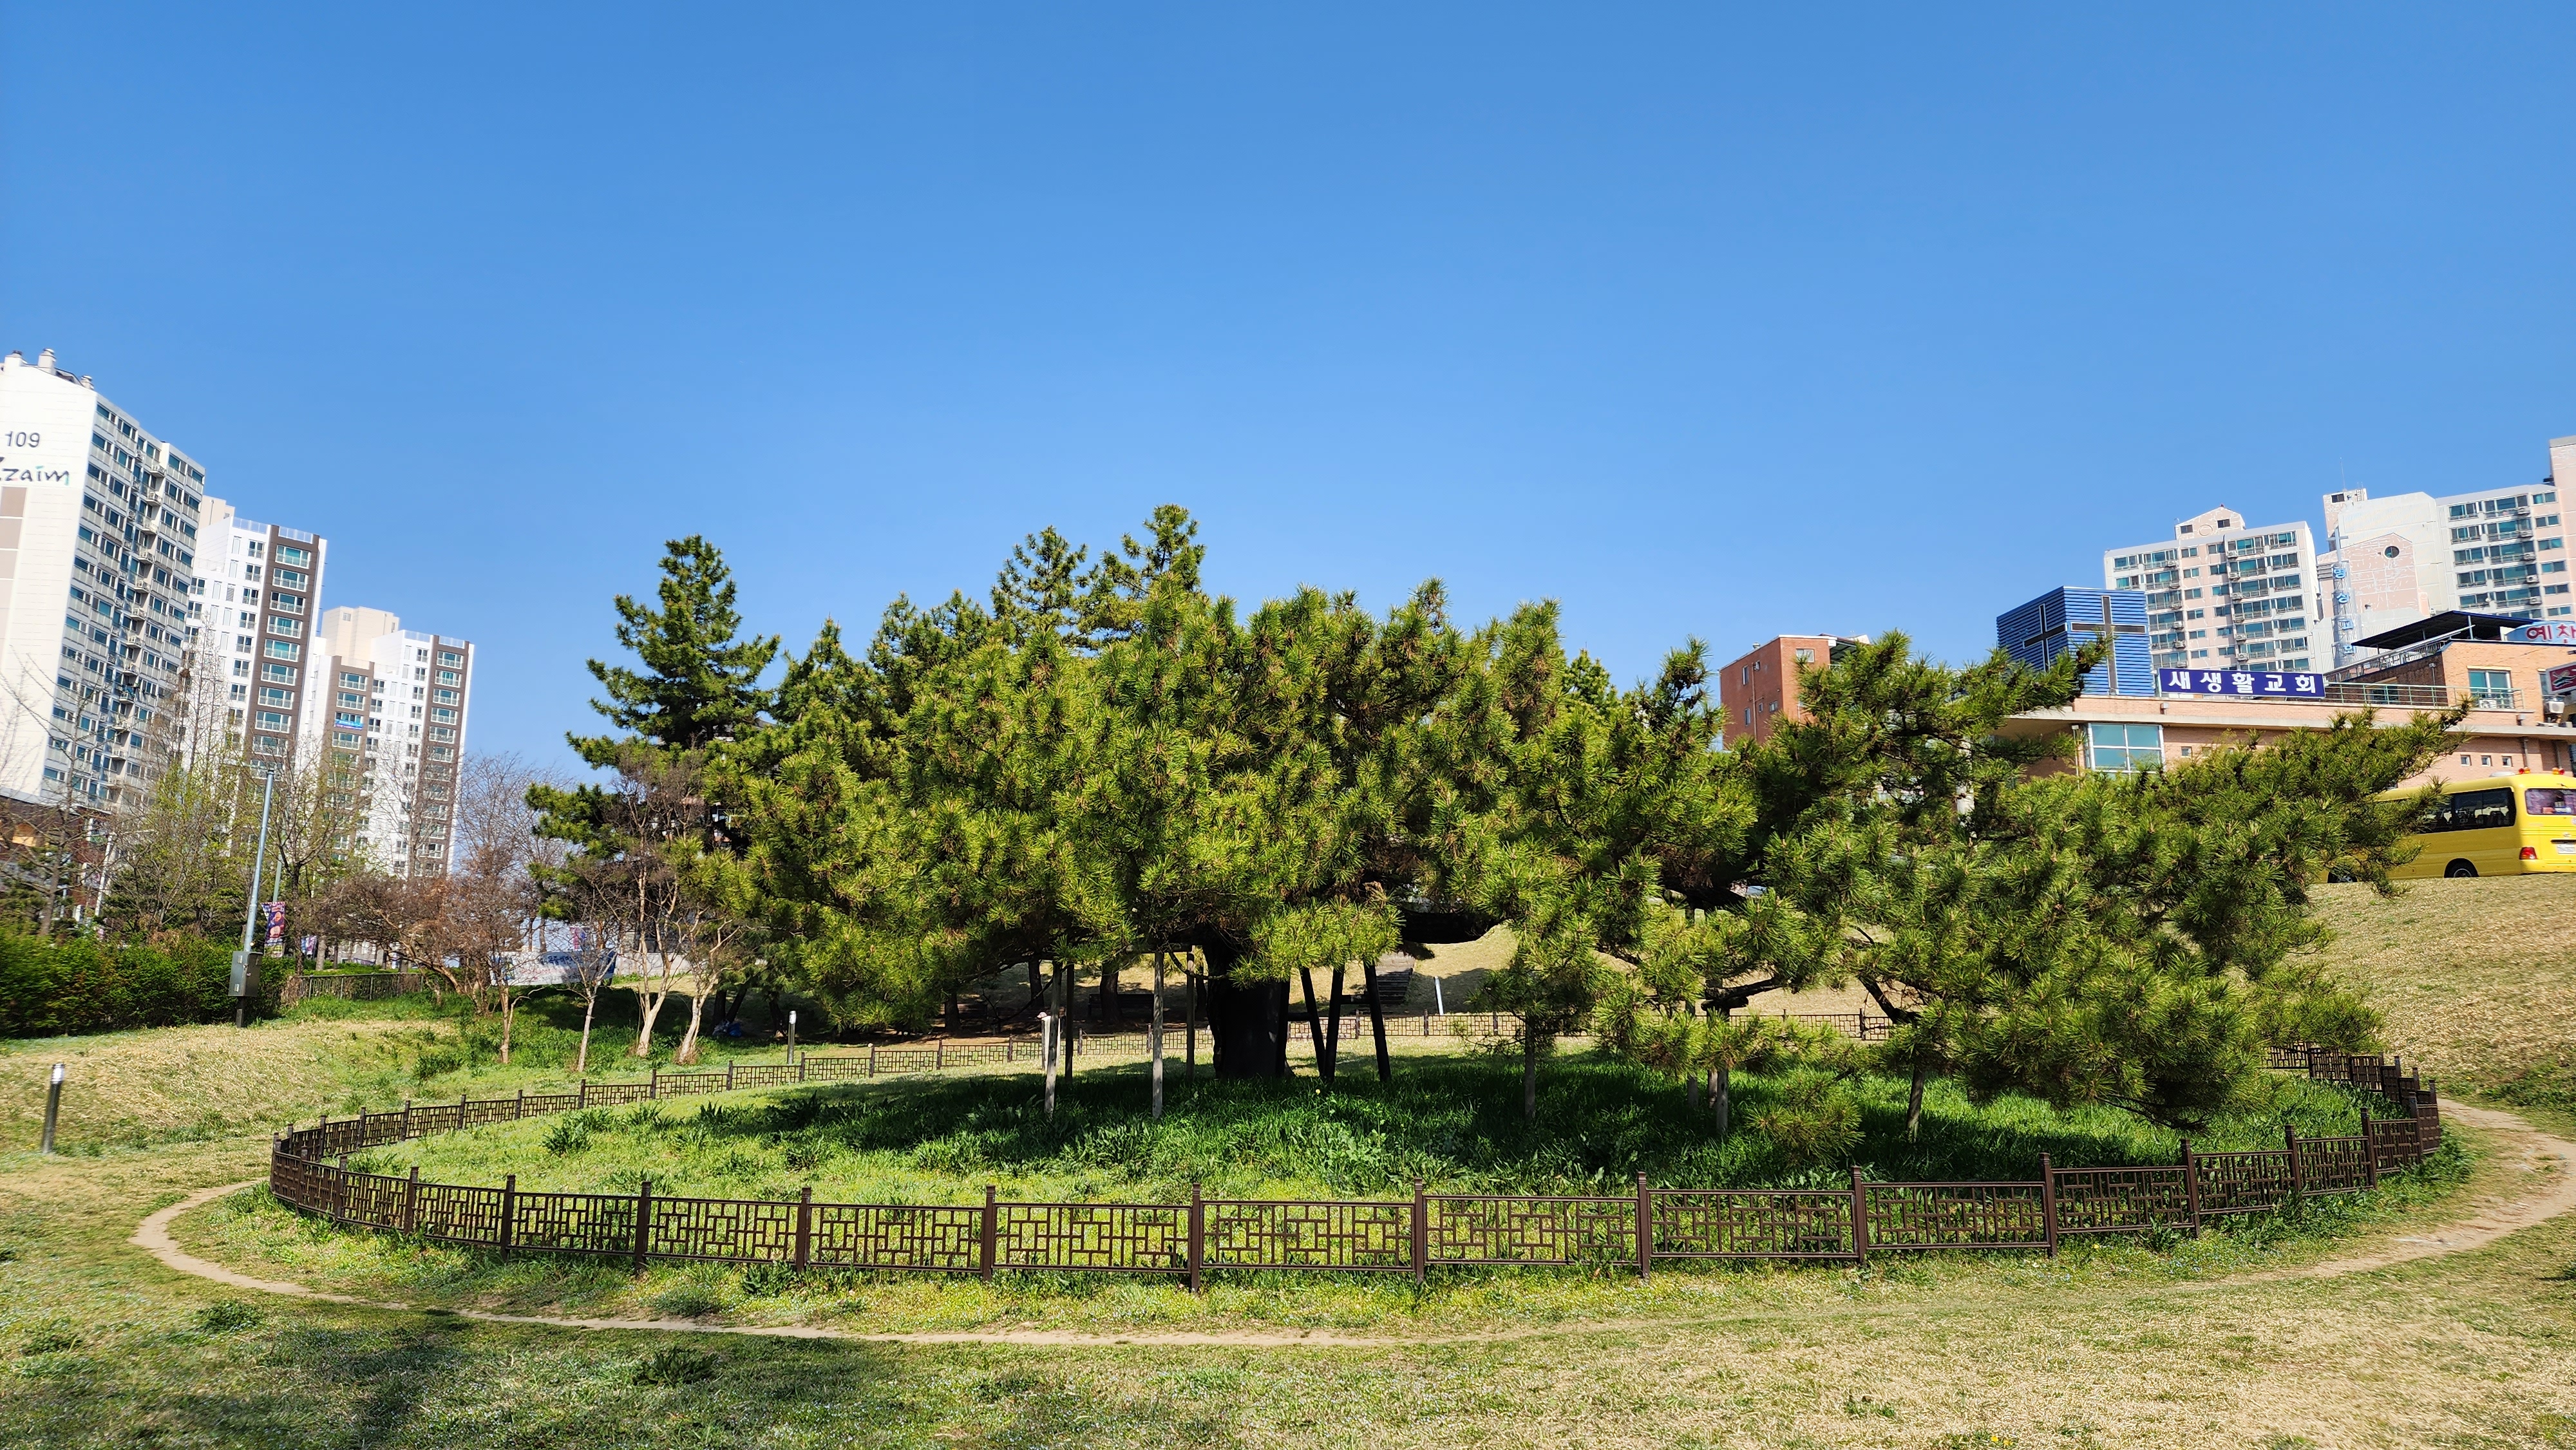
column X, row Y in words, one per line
column 99, row 535
column 257, row 650
column 397, row 713
column 2411, row 556
column 2221, row 591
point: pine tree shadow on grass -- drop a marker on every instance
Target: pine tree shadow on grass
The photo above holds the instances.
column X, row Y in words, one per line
column 1453, row 1123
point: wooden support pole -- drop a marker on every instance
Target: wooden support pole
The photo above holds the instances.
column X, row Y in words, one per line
column 1421, row 1233
column 805, row 1228
column 509, row 1209
column 1860, row 1218
column 2369, row 1154
column 2298, row 1179
column 2048, row 1203
column 643, row 1222
column 1377, row 1017
column 1646, row 1224
column 1333, row 1028
column 1198, row 1237
column 2191, row 1184
column 992, row 1232
column 411, row 1201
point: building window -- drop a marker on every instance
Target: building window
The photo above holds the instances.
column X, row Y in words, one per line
column 2126, row 747
column 2493, row 688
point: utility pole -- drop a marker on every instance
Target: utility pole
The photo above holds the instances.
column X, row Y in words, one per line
column 242, row 983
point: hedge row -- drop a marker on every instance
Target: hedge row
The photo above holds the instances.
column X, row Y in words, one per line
column 48, row 988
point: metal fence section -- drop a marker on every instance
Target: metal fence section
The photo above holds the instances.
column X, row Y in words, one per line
column 308, row 1170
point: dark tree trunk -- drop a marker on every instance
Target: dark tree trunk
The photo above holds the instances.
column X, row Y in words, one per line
column 1529, row 1072
column 1035, row 991
column 1315, row 1025
column 1333, row 1029
column 1377, row 1017
column 1247, row 1026
column 1914, row 1100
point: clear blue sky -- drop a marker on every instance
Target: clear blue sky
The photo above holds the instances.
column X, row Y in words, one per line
column 1701, row 323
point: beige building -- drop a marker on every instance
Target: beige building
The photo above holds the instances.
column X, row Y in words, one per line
column 397, row 706
column 2516, row 724
column 2222, row 594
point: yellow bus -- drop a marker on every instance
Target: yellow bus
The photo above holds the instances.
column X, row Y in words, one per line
column 2504, row 825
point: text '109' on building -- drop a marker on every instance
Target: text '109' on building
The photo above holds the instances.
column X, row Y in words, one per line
column 99, row 535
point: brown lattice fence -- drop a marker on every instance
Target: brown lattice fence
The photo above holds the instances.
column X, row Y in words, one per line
column 1431, row 1230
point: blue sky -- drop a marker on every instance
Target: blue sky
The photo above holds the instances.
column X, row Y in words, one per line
column 1703, row 322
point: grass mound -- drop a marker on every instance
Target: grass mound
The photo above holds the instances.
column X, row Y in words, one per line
column 2477, row 980
column 1453, row 1123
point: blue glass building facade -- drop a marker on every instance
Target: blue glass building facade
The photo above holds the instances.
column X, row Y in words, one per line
column 2065, row 620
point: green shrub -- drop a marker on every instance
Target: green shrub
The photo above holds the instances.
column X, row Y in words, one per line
column 51, row 988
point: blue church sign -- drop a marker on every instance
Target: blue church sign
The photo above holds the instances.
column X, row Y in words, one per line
column 2240, row 682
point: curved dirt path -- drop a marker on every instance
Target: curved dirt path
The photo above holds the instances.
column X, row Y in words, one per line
column 2547, row 1189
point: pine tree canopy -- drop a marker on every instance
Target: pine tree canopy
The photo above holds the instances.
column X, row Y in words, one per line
column 1096, row 759
column 699, row 685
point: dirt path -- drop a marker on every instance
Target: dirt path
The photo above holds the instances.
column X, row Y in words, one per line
column 2545, row 1189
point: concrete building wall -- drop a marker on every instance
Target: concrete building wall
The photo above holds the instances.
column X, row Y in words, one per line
column 1758, row 688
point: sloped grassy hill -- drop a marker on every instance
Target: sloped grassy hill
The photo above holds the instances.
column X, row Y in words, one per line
column 2477, row 979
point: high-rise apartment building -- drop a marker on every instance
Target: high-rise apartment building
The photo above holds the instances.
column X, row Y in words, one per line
column 2411, row 556
column 99, row 537
column 257, row 650
column 2221, row 592
column 397, row 704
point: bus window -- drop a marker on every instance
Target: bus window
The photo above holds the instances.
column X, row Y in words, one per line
column 2549, row 803
column 2477, row 810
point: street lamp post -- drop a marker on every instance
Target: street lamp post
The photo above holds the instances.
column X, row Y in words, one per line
column 258, row 868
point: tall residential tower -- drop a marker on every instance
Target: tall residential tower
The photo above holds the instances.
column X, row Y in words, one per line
column 398, row 702
column 99, row 522
column 2221, row 592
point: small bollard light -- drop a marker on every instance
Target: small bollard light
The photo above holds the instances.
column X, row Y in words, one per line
column 791, row 1035
column 53, row 1108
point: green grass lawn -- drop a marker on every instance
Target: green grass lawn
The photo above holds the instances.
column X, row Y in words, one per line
column 2217, row 1342
column 1453, row 1123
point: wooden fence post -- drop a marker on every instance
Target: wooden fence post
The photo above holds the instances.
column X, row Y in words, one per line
column 804, row 1228
column 1860, row 1219
column 1198, row 1236
column 2048, row 1202
column 406, row 1118
column 521, row 1110
column 992, row 1231
column 643, row 1222
column 2298, row 1180
column 728, row 1074
column 872, row 1059
column 580, row 1097
column 939, row 1055
column 509, row 1208
column 1646, row 1225
column 1421, row 1233
column 2191, row 1184
column 653, row 1085
column 411, row 1202
column 2369, row 1154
